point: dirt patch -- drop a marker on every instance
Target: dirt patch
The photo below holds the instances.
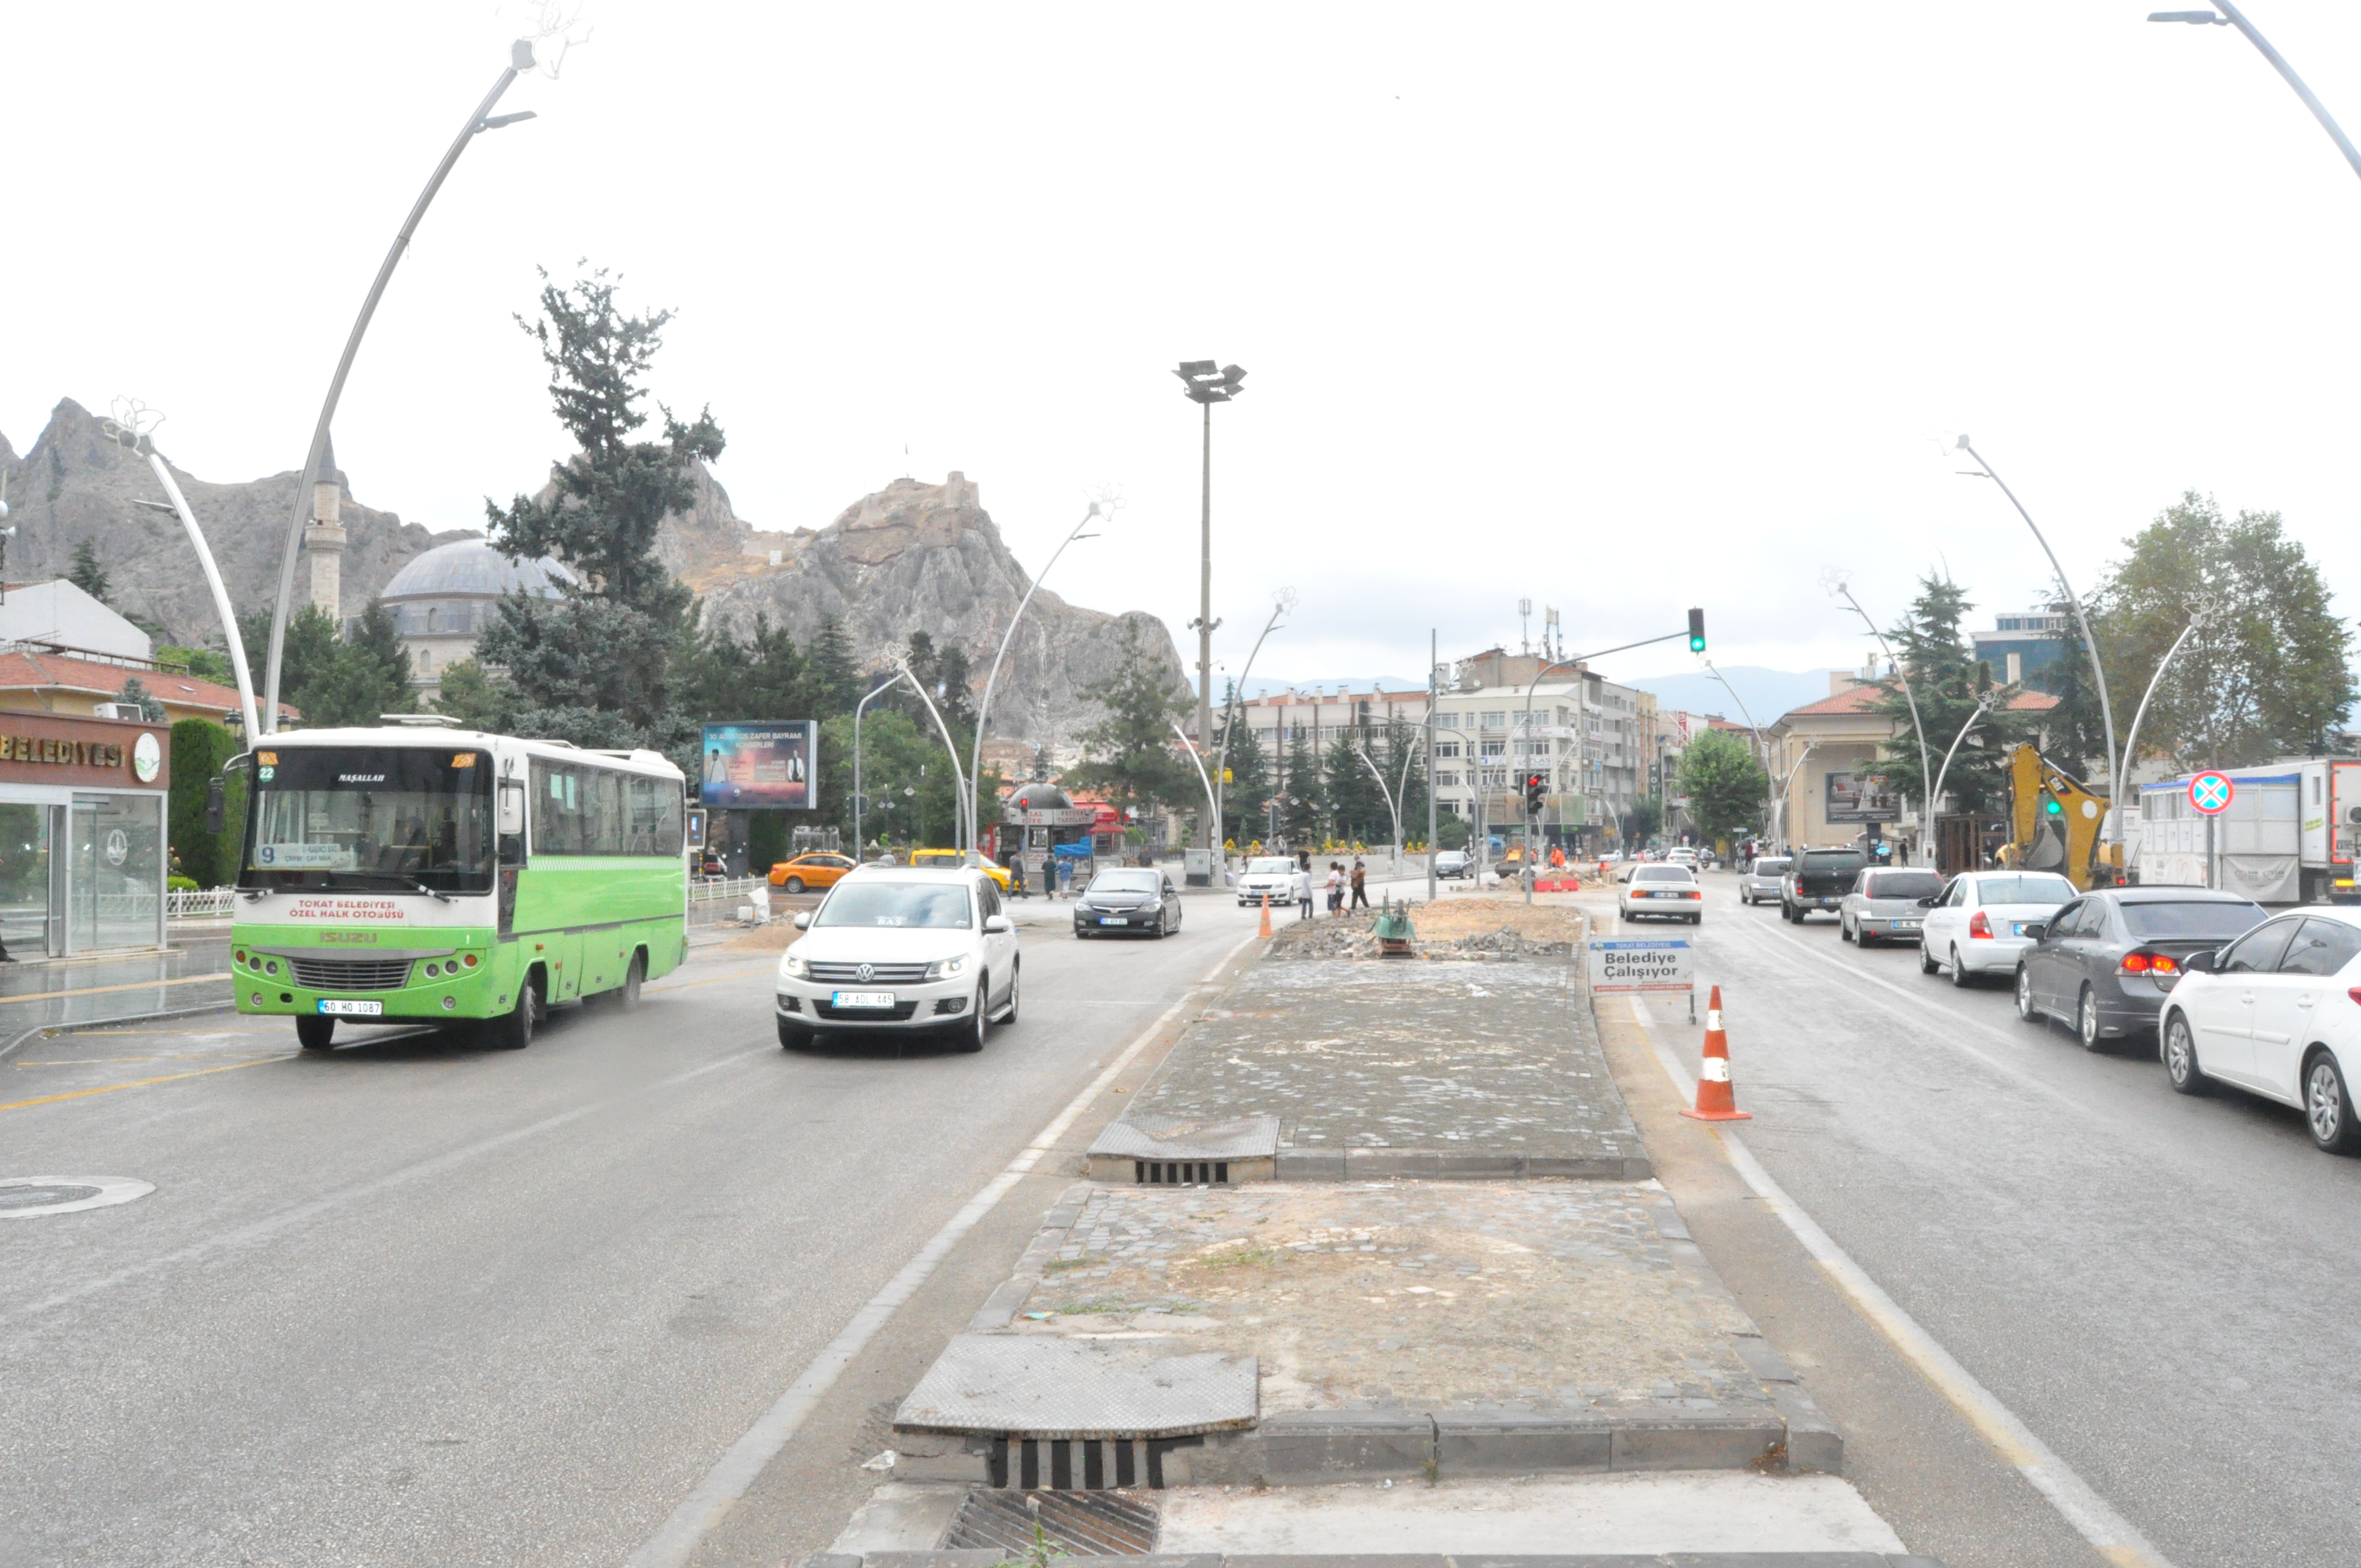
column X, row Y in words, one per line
column 1462, row 927
column 775, row 938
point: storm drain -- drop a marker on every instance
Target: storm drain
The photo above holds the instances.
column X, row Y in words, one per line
column 1082, row 1464
column 1181, row 1172
column 1088, row 1524
column 31, row 1197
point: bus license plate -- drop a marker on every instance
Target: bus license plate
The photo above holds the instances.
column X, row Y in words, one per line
column 862, row 999
column 352, row 1009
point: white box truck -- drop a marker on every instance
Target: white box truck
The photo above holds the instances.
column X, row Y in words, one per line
column 2290, row 833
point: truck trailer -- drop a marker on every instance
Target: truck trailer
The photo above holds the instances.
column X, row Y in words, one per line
column 2289, row 834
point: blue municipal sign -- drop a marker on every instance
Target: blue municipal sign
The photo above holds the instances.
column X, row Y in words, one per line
column 2209, row 794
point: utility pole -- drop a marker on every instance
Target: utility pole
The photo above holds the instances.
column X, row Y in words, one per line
column 1204, row 385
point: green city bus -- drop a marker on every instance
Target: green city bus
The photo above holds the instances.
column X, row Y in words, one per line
column 423, row 874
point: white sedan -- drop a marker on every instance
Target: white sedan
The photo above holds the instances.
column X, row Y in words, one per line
column 1665, row 892
column 2275, row 1012
column 1976, row 926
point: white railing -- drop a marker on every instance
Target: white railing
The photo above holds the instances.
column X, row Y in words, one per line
column 200, row 903
column 724, row 890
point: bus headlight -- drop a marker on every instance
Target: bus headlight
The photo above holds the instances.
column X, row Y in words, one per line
column 948, row 969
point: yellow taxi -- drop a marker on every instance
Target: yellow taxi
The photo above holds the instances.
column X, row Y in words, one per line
column 953, row 857
column 810, row 871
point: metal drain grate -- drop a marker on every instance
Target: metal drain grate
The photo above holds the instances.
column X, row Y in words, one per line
column 1082, row 1464
column 44, row 1196
column 1181, row 1172
column 1092, row 1524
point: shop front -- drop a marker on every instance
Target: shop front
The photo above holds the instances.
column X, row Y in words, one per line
column 82, row 806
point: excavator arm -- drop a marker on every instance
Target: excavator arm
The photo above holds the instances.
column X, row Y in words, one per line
column 2055, row 819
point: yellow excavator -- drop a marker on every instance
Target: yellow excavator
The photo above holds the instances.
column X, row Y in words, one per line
column 2057, row 822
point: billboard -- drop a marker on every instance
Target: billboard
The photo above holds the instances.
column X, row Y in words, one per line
column 761, row 764
column 1853, row 797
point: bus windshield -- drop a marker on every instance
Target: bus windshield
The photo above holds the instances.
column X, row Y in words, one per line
column 384, row 817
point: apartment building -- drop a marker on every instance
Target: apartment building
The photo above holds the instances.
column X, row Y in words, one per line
column 1583, row 731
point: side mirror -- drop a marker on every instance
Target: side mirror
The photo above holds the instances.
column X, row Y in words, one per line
column 2036, row 929
column 996, row 924
column 2205, row 962
column 511, row 849
column 216, row 805
column 510, row 812
column 803, row 921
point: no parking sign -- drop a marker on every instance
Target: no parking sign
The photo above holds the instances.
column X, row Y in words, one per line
column 2209, row 794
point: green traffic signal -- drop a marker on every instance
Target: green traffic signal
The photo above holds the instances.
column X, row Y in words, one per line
column 1696, row 632
column 2052, row 807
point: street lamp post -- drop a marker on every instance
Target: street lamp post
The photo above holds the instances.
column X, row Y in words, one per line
column 1837, row 585
column 1759, row 739
column 2131, row 742
column 961, row 819
column 860, row 801
column 1103, row 507
column 1983, row 707
column 1203, row 778
column 1787, row 795
column 2232, row 17
column 1281, row 602
column 2090, row 643
column 520, row 59
column 1204, row 385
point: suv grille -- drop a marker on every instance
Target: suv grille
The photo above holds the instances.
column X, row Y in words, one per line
column 879, row 974
column 350, row 975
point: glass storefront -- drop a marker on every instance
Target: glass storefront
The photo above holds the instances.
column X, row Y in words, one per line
column 24, row 876
column 114, row 887
column 82, row 833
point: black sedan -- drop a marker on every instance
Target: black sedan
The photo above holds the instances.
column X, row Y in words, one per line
column 2105, row 963
column 1127, row 902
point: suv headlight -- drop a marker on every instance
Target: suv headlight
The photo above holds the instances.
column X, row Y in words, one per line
column 948, row 969
column 794, row 966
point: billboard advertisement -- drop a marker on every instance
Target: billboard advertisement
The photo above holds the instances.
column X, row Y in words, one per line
column 761, row 765
column 1853, row 797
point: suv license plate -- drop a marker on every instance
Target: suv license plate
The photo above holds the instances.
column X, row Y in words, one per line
column 352, row 1009
column 862, row 999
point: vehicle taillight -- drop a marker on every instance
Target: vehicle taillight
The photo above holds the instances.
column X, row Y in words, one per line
column 1978, row 926
column 2355, row 994
column 2149, row 963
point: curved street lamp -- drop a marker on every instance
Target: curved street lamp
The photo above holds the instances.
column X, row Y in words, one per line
column 2232, row 17
column 1983, row 707
column 1835, row 584
column 959, row 818
column 859, row 800
column 2197, row 615
column 1103, row 507
column 1282, row 602
column 521, row 59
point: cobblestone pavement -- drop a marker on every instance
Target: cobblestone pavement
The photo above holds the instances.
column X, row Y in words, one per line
column 1545, row 1296
column 1478, row 1057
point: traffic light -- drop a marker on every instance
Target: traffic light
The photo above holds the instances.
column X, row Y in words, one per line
column 1536, row 786
column 1696, row 632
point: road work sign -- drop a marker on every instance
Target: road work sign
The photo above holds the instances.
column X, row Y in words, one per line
column 1658, row 964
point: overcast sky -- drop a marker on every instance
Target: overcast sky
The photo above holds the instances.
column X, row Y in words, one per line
column 1623, row 308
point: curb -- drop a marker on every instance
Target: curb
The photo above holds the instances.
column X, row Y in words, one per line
column 989, row 1559
column 18, row 1042
column 1435, row 1164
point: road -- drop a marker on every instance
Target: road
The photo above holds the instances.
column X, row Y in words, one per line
column 413, row 1301
column 2161, row 1287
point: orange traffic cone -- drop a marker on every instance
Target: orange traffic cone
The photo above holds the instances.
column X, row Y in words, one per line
column 1265, row 916
column 1715, row 1101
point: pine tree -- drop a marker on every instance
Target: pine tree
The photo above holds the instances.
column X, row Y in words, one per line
column 1243, row 818
column 594, row 665
column 1302, row 812
column 1130, row 751
column 835, row 678
column 472, row 697
column 87, row 573
column 1947, row 680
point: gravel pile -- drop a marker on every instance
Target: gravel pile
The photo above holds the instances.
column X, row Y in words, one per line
column 1355, row 937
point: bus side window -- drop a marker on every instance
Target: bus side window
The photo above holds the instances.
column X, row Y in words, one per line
column 602, row 813
column 556, row 810
column 647, row 818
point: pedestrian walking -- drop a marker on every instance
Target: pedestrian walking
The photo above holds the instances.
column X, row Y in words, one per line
column 1360, row 883
column 1017, row 875
column 1304, row 891
column 1065, row 877
column 1336, row 888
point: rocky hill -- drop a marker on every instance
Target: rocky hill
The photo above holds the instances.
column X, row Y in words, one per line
column 75, row 483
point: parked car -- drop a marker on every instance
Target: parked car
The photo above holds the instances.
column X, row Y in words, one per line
column 1886, row 905
column 1269, row 874
column 810, row 871
column 2276, row 1012
column 898, row 950
column 1665, row 892
column 1452, row 863
column 1132, row 901
column 2106, row 961
column 950, row 858
column 1819, row 878
column 1978, row 923
column 1763, row 880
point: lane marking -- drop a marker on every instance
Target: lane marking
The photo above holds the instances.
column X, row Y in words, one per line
column 225, row 978
column 2114, row 1536
column 136, row 1082
column 711, row 1501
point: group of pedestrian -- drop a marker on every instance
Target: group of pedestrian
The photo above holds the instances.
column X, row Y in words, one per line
column 1338, row 883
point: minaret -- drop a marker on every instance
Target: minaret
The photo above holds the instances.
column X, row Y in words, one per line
column 324, row 539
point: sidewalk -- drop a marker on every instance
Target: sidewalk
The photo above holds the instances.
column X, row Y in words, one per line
column 1372, row 1269
column 190, row 975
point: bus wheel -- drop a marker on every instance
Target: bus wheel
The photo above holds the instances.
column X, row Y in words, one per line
column 628, row 998
column 514, row 1032
column 313, row 1031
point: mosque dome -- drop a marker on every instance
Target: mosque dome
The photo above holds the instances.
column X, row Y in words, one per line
column 474, row 568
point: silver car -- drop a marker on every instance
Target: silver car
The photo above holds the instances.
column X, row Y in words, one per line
column 1762, row 880
column 1885, row 904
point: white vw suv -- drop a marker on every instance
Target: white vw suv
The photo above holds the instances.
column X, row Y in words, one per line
column 893, row 950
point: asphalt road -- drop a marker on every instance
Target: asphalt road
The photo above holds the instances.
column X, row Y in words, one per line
column 2161, row 1287
column 412, row 1301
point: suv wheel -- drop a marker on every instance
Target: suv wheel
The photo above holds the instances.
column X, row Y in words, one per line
column 969, row 1036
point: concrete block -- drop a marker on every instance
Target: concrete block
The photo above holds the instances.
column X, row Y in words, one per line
column 1813, row 1440
column 985, row 1559
column 1761, row 1359
column 1636, row 1168
column 1479, row 1167
column 1310, row 1164
column 1354, row 1559
column 1699, row 1440
column 1376, row 1165
column 1475, row 1443
column 1308, row 1447
column 1589, row 1168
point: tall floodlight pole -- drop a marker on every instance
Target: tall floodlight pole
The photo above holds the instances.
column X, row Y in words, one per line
column 860, row 801
column 130, row 427
column 520, row 59
column 2232, row 17
column 2090, row 643
column 1835, row 584
column 1103, row 507
column 1204, row 385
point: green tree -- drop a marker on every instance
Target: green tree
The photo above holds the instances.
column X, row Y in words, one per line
column 199, row 748
column 1243, row 818
column 594, row 665
column 1302, row 812
column 1644, row 820
column 135, row 693
column 475, row 697
column 2074, row 733
column 87, row 573
column 835, row 679
column 2270, row 671
column 1947, row 680
column 1724, row 783
column 205, row 664
column 1130, row 752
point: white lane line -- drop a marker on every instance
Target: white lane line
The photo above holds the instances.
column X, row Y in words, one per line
column 271, row 1225
column 2114, row 1536
column 710, row 1503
